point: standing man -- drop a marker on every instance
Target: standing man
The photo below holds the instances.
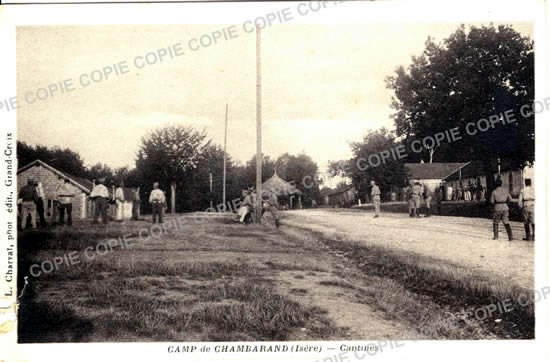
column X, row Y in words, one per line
column 135, row 203
column 409, row 198
column 247, row 206
column 527, row 203
column 40, row 203
column 438, row 196
column 157, row 200
column 65, row 196
column 499, row 199
column 416, row 198
column 28, row 197
column 375, row 196
column 270, row 203
column 100, row 195
column 428, row 198
column 119, row 201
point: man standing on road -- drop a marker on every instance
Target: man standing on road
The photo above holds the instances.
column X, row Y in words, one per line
column 375, row 196
column 499, row 199
column 527, row 203
column 428, row 198
column 100, row 195
column 409, row 198
column 416, row 196
column 65, row 196
column 157, row 200
column 438, row 196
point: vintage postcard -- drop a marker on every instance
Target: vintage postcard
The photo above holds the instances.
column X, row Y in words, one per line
column 315, row 180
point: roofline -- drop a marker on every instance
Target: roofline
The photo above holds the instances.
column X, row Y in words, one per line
column 337, row 192
column 464, row 164
column 458, row 169
column 54, row 170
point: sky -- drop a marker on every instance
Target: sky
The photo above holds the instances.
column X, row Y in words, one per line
column 322, row 86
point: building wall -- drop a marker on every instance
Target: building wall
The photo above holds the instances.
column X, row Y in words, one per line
column 50, row 182
column 511, row 180
column 346, row 197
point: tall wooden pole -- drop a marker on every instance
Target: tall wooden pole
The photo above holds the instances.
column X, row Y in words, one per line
column 258, row 127
column 225, row 156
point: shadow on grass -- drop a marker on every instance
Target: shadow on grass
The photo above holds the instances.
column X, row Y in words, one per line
column 41, row 322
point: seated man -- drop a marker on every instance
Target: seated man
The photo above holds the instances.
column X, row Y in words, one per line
column 247, row 206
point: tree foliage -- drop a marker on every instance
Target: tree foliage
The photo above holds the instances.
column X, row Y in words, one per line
column 391, row 173
column 473, row 74
column 62, row 159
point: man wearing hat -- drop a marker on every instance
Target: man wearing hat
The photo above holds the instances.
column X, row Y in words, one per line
column 100, row 195
column 28, row 197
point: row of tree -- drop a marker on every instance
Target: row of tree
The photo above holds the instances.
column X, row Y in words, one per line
column 187, row 165
column 475, row 73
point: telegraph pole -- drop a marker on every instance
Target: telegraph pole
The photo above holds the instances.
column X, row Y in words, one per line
column 225, row 156
column 258, row 127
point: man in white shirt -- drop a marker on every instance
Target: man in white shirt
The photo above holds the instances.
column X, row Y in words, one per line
column 527, row 203
column 100, row 195
column 65, row 194
column 119, row 201
column 158, row 201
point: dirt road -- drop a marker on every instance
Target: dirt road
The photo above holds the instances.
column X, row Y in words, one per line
column 458, row 240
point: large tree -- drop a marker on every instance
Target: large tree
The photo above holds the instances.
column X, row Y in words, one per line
column 473, row 74
column 302, row 171
column 168, row 155
column 368, row 162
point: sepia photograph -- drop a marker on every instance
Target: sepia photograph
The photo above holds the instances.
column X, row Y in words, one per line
column 272, row 181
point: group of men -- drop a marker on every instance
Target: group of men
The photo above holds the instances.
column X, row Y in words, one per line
column 500, row 198
column 270, row 203
column 100, row 196
column 31, row 203
column 469, row 192
column 414, row 194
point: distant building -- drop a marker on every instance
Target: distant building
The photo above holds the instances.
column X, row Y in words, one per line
column 431, row 174
column 51, row 178
column 474, row 174
column 343, row 196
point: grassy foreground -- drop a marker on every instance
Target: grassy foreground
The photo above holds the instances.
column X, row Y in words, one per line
column 215, row 281
column 194, row 284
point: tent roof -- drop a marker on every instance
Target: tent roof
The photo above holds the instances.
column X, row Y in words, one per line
column 280, row 187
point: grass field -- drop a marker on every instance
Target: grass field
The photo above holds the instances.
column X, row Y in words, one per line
column 214, row 280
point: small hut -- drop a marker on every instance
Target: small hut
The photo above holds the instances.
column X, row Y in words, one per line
column 287, row 194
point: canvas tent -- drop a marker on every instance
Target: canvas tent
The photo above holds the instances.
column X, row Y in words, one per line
column 287, row 194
